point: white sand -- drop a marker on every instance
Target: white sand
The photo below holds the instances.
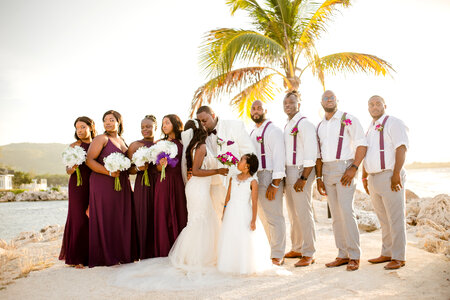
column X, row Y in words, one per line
column 425, row 276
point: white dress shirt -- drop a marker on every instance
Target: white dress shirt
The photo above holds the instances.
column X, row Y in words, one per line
column 329, row 137
column 273, row 149
column 395, row 134
column 306, row 142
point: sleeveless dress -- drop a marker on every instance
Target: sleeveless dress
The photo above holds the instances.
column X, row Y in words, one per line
column 240, row 250
column 196, row 246
column 170, row 206
column 112, row 220
column 144, row 197
column 75, row 243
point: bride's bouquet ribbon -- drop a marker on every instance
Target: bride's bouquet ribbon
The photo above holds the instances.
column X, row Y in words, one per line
column 164, row 149
column 74, row 156
column 140, row 158
column 117, row 162
column 228, row 159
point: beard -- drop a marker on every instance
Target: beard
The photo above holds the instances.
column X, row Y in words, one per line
column 258, row 118
column 330, row 109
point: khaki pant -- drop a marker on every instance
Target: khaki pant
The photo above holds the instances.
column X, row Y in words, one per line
column 390, row 209
column 340, row 200
column 271, row 214
column 299, row 205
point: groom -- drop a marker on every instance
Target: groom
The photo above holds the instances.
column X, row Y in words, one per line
column 223, row 134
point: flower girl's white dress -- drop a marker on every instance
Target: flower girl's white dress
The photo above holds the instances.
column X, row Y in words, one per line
column 240, row 250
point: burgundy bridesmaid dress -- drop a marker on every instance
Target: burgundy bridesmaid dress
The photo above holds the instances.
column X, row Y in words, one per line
column 112, row 219
column 75, row 243
column 145, row 208
column 170, row 207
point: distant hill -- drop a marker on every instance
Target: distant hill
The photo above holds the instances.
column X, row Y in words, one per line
column 33, row 157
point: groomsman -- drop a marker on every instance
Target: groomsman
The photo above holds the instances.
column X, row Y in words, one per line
column 269, row 145
column 223, row 134
column 384, row 177
column 342, row 147
column 301, row 154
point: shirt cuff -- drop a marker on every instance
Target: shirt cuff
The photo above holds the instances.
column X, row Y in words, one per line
column 400, row 144
column 308, row 163
column 278, row 175
column 360, row 142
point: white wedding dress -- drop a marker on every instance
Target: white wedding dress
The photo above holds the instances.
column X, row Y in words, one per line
column 196, row 246
column 241, row 250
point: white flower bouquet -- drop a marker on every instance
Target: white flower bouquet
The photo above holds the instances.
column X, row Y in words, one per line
column 140, row 158
column 117, row 162
column 164, row 149
column 74, row 156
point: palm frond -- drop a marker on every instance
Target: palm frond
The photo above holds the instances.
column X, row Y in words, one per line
column 226, row 84
column 223, row 47
column 316, row 24
column 263, row 90
column 350, row 62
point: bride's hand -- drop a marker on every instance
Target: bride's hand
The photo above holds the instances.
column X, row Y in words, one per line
column 222, row 171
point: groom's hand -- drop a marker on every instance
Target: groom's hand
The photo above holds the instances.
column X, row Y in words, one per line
column 223, row 171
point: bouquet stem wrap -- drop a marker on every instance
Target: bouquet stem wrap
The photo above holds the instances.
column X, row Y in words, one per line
column 117, row 186
column 79, row 179
column 170, row 162
column 145, row 179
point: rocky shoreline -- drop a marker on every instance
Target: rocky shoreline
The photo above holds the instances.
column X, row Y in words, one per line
column 33, row 196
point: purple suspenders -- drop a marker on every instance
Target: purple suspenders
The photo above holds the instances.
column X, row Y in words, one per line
column 263, row 152
column 341, row 138
column 294, row 154
column 383, row 166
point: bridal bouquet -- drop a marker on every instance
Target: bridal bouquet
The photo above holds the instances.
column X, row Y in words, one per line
column 117, row 162
column 164, row 149
column 140, row 157
column 228, row 159
column 74, row 156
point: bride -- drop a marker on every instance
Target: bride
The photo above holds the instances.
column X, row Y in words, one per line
column 195, row 247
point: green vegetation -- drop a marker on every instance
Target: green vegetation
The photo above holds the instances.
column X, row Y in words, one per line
column 21, row 178
column 253, row 63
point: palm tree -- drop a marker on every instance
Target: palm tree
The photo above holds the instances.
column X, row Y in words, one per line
column 247, row 63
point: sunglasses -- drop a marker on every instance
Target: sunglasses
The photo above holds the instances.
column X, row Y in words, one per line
column 325, row 98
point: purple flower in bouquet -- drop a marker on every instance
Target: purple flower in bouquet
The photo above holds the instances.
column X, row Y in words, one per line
column 228, row 159
column 164, row 149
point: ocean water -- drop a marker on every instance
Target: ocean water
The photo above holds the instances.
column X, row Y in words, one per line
column 16, row 217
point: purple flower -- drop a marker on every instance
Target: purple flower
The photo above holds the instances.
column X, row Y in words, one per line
column 347, row 122
column 230, row 143
column 170, row 161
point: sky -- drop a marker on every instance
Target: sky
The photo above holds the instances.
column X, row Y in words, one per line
column 62, row 59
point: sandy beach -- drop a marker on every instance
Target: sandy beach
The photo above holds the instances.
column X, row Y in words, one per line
column 425, row 276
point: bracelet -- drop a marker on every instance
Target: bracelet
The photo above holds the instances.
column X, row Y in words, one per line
column 275, row 186
column 109, row 173
column 354, row 166
column 319, row 177
column 137, row 169
column 225, row 205
column 364, row 179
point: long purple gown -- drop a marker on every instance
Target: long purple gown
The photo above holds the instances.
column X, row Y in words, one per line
column 170, row 207
column 75, row 243
column 112, row 220
column 145, row 207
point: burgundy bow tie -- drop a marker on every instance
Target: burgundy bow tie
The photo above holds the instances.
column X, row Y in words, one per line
column 212, row 132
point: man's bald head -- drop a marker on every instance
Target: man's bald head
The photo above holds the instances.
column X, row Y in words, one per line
column 258, row 111
column 377, row 107
column 377, row 98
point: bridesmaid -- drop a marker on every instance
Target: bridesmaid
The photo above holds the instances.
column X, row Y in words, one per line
column 75, row 244
column 112, row 222
column 144, row 195
column 170, row 200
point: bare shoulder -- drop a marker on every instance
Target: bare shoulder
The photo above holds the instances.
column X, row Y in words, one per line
column 135, row 145
column 100, row 139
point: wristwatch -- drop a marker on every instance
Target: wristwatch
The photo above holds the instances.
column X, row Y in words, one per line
column 303, row 178
column 354, row 166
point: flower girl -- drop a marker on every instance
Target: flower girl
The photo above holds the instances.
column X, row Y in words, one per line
column 243, row 246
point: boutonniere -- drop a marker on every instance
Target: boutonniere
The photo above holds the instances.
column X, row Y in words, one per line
column 221, row 142
column 294, row 131
column 259, row 139
column 346, row 122
column 379, row 127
